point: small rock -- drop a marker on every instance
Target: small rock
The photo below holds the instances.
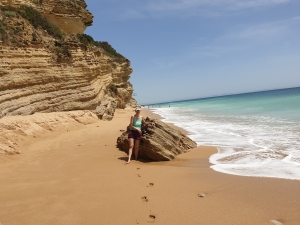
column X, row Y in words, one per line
column 275, row 222
column 202, row 195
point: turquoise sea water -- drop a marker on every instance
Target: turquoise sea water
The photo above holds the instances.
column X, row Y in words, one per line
column 257, row 134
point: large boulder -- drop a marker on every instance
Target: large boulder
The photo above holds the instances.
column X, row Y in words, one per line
column 159, row 143
column 106, row 109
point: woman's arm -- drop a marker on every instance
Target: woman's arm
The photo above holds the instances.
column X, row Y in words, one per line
column 131, row 122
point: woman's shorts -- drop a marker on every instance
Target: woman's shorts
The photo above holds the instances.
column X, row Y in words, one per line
column 134, row 134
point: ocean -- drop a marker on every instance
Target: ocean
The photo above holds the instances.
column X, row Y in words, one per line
column 256, row 134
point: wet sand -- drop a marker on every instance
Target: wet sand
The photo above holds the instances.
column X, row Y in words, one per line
column 80, row 177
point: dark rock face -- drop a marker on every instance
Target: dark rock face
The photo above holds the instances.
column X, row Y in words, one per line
column 160, row 142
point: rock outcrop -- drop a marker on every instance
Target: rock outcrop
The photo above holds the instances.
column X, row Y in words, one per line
column 159, row 143
column 106, row 109
column 30, row 81
column 70, row 15
column 48, row 71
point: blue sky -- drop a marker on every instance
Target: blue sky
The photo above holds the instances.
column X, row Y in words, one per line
column 186, row 49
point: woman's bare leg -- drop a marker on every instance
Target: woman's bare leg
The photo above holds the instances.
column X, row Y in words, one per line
column 130, row 140
column 136, row 148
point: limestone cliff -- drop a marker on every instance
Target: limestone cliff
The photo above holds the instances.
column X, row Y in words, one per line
column 69, row 15
column 45, row 70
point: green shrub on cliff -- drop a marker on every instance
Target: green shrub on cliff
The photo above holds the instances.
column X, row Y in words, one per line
column 37, row 19
column 112, row 87
column 3, row 34
column 9, row 14
column 109, row 50
column 34, row 17
column 62, row 49
column 85, row 39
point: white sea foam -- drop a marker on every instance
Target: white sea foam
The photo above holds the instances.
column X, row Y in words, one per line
column 248, row 145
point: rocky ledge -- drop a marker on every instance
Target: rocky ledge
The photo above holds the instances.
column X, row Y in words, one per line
column 69, row 15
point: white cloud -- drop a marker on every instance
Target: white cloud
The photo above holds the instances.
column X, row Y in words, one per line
column 165, row 62
column 214, row 51
column 135, row 9
column 243, row 39
column 131, row 14
column 265, row 31
column 209, row 5
column 255, row 3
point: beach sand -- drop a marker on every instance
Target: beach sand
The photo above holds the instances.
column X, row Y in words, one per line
column 80, row 177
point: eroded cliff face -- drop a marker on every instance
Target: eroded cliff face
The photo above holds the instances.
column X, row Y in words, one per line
column 70, row 15
column 31, row 80
column 39, row 73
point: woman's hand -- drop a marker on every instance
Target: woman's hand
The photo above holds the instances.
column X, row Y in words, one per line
column 148, row 123
column 152, row 124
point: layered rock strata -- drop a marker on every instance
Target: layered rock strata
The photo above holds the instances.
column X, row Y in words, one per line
column 30, row 81
column 70, row 15
column 159, row 143
column 40, row 73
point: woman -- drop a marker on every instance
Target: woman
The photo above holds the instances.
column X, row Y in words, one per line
column 135, row 133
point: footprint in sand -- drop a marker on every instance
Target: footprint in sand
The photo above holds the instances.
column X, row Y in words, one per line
column 144, row 199
column 150, row 185
column 139, row 175
column 151, row 219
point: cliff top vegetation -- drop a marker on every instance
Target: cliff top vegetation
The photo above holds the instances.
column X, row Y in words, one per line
column 34, row 17
column 14, row 30
column 88, row 40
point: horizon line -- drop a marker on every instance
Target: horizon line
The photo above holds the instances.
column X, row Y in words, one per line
column 217, row 96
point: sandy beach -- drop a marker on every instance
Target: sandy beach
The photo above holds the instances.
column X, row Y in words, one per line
column 81, row 177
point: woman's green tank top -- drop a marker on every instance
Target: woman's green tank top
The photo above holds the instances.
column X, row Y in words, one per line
column 137, row 123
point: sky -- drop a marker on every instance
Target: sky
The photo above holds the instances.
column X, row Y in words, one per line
column 188, row 49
